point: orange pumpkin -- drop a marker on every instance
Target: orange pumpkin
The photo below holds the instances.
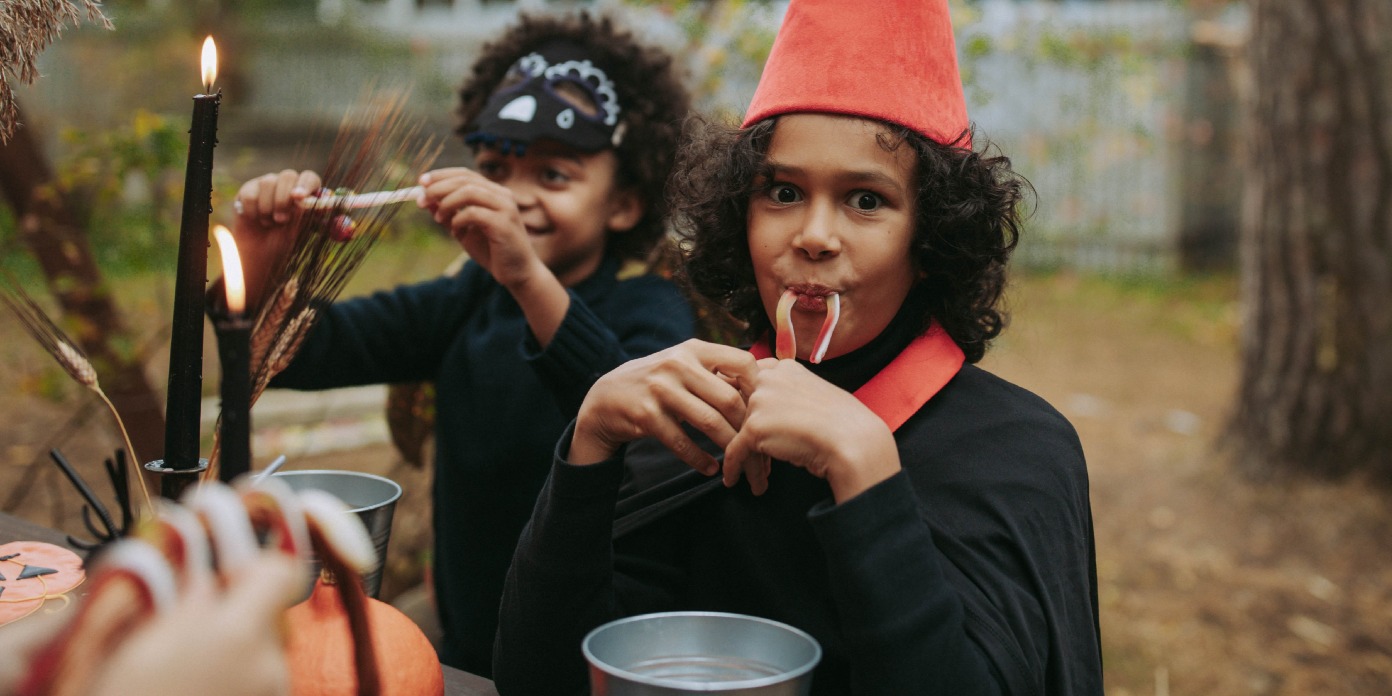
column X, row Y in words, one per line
column 319, row 648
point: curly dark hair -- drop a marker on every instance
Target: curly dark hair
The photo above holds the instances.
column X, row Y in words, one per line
column 968, row 215
column 655, row 104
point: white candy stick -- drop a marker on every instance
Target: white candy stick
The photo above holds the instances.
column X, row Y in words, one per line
column 833, row 315
column 353, row 201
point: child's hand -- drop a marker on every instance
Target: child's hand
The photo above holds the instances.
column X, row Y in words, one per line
column 797, row 417
column 213, row 640
column 695, row 382
column 265, row 208
column 483, row 217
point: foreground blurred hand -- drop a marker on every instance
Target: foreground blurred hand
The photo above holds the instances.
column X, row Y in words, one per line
column 159, row 617
column 214, row 640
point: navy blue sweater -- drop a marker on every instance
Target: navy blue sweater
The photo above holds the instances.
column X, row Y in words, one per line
column 501, row 403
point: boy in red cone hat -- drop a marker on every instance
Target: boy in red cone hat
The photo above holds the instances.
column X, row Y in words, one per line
column 926, row 521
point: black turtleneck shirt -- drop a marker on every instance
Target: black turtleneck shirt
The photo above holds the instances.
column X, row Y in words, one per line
column 971, row 571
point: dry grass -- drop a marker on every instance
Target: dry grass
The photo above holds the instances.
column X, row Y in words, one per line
column 27, row 27
column 1209, row 584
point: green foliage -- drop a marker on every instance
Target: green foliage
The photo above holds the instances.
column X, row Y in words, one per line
column 1201, row 307
column 1091, row 50
column 100, row 162
column 125, row 186
column 128, row 184
column 258, row 9
column 49, row 383
column 727, row 43
column 17, row 263
column 977, row 46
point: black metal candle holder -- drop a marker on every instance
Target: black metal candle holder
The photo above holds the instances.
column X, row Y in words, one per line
column 173, row 481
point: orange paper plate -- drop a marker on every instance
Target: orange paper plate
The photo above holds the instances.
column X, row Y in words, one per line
column 53, row 570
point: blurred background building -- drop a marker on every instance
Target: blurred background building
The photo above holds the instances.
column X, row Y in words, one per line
column 1123, row 115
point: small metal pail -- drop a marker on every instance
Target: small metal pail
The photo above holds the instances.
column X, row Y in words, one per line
column 674, row 653
column 371, row 497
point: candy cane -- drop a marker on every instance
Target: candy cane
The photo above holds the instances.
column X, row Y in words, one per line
column 785, row 340
column 785, row 344
column 833, row 315
column 353, row 201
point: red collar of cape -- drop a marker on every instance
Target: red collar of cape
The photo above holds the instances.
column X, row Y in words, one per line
column 909, row 380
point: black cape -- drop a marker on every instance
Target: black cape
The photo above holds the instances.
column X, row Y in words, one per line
column 972, row 571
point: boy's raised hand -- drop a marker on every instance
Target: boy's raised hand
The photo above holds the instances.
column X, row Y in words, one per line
column 794, row 416
column 484, row 218
column 265, row 208
column 694, row 382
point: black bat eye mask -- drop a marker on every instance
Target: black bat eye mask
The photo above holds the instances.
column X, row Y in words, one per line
column 555, row 93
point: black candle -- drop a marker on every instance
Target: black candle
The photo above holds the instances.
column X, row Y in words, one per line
column 234, row 353
column 181, row 433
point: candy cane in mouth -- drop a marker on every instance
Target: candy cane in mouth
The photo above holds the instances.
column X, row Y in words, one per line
column 785, row 341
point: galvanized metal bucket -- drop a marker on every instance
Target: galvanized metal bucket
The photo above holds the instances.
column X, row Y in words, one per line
column 674, row 653
column 371, row 497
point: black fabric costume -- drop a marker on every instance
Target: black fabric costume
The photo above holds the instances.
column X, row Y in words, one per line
column 501, row 402
column 972, row 571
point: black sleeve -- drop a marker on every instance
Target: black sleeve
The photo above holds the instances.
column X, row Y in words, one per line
column 646, row 315
column 560, row 585
column 397, row 335
column 992, row 506
column 898, row 642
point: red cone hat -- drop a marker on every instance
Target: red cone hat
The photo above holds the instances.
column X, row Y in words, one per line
column 892, row 60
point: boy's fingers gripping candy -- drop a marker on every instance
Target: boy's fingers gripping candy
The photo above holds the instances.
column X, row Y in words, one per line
column 785, row 342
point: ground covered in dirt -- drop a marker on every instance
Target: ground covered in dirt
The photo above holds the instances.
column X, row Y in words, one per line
column 1209, row 583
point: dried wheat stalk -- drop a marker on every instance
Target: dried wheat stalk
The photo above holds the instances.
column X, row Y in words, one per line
column 275, row 314
column 71, row 358
column 27, row 27
column 377, row 147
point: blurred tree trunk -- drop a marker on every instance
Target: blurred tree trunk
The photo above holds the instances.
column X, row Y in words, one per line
column 1316, row 246
column 1211, row 169
column 49, row 229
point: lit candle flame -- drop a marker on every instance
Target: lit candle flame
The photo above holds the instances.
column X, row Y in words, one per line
column 231, row 270
column 209, row 65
